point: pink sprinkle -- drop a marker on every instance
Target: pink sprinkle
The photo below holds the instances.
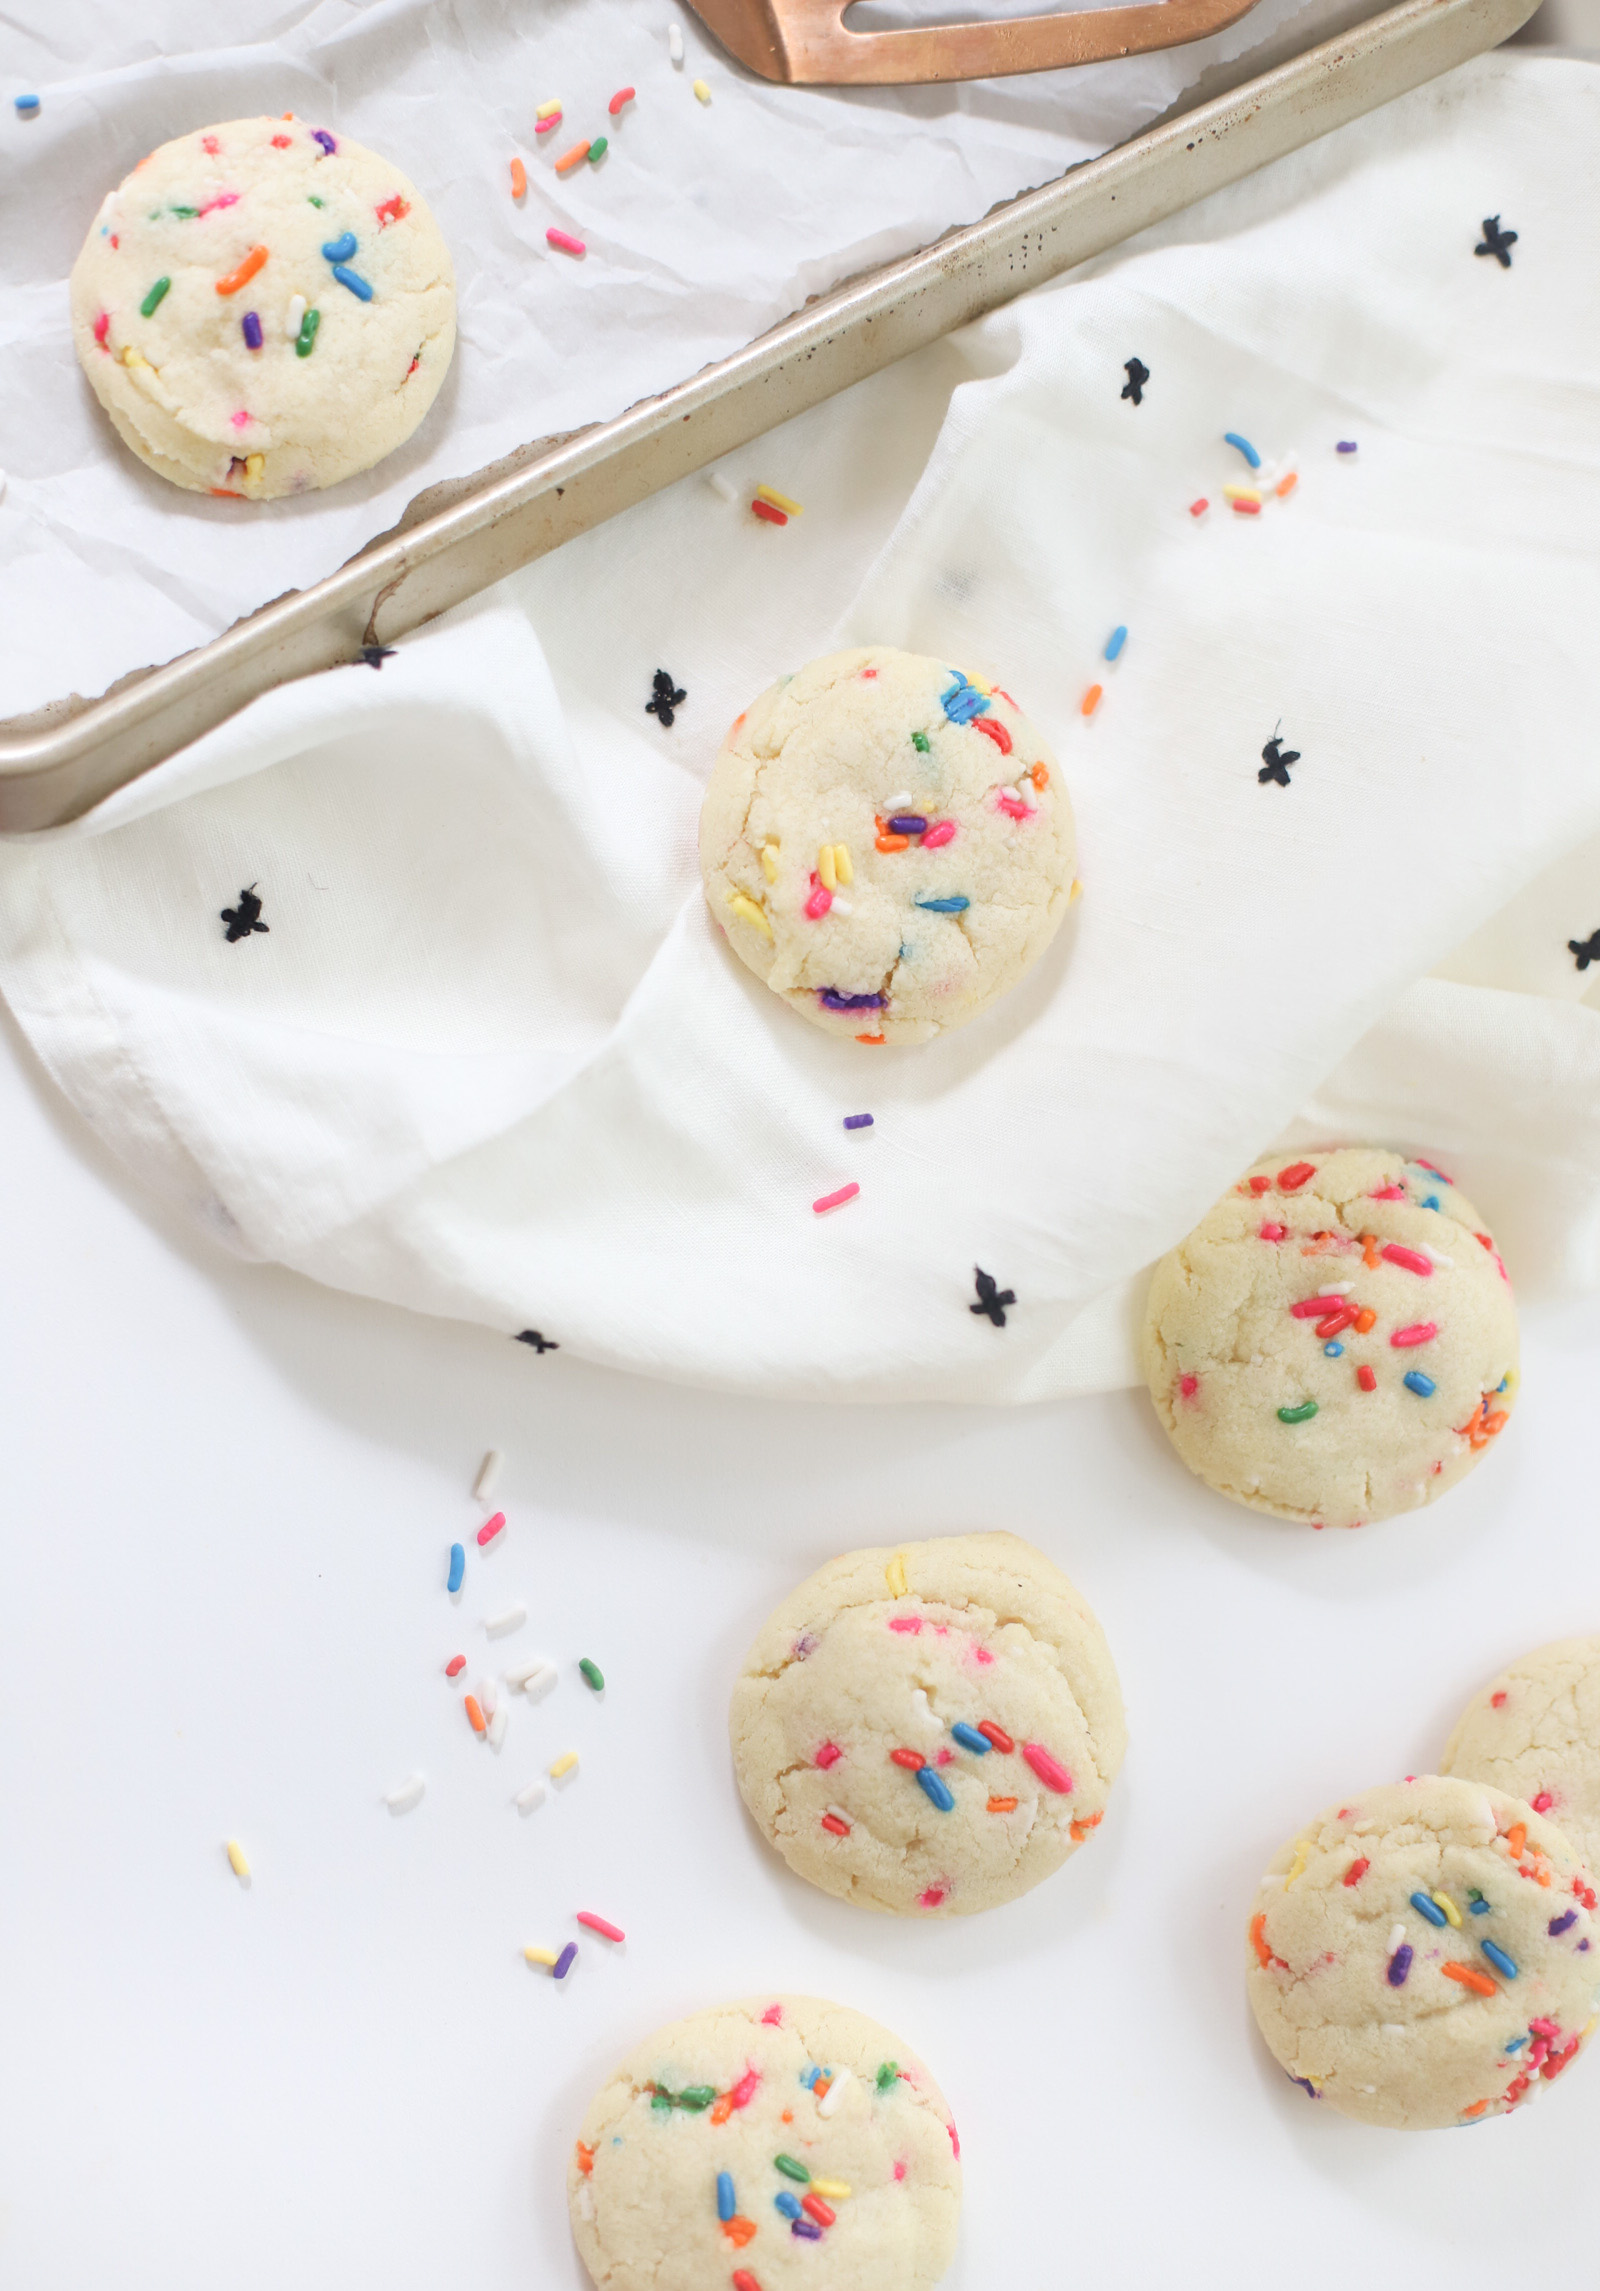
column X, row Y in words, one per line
column 601, row 1925
column 102, row 326
column 1049, row 1770
column 955, row 2140
column 1411, row 1259
column 771, row 2018
column 1274, row 1232
column 829, row 1755
column 900, row 2171
column 1545, row 2028
column 932, row 1898
column 209, row 143
column 456, row 1664
column 745, row 2090
column 1389, row 1193
column 982, row 1655
column 491, row 1528
column 1012, row 808
column 944, row 1758
column 241, row 420
column 622, row 96
column 1542, row 1803
column 828, row 1201
column 1188, row 1386
column 222, row 199
column 1199, row 508
column 1420, row 1332
column 821, row 899
column 1313, row 1308
column 543, row 126
column 943, row 831
column 566, row 242
column 911, row 1623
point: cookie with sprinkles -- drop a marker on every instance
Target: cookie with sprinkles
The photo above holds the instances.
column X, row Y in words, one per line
column 263, row 308
column 758, row 2142
column 929, row 1730
column 1535, row 1732
column 1336, row 1340
column 1425, row 1954
column 887, row 842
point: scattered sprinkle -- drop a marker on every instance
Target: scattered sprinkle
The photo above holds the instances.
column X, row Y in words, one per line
column 409, row 1794
column 1199, row 508
column 1451, row 1912
column 357, row 285
column 535, row 1678
column 563, row 1964
column 1091, row 699
column 1367, row 1379
column 571, row 157
column 1298, row 1415
column 1232, row 437
column 339, row 250
column 779, row 500
column 294, row 315
column 1400, row 1965
column 1345, row 445
column 1470, row 1978
column 601, row 1925
column 970, row 1739
column 1115, row 642
column 566, row 242
column 27, row 106
column 1496, row 242
column 147, row 308
column 490, row 1529
column 1138, row 374
column 306, row 340
column 858, row 1121
column 792, row 2169
column 1499, row 1959
column 519, row 180
column 741, row 905
column 702, row 91
column 1050, row 1771
column 533, row 1795
column 250, row 327
column 236, row 1859
column 551, row 121
column 539, row 1956
column 563, row 1765
column 1286, row 484
column 1249, row 505
column 488, row 1473
column 455, row 1666
column 593, row 1675
column 833, row 1200
column 622, row 96
column 1423, row 1386
column 508, row 1619
column 598, row 149
column 768, row 515
column 244, row 274
column 1420, row 1332
column 458, row 1567
column 1425, row 1906
column 328, row 142
column 828, row 2106
column 549, row 109
column 675, row 43
column 475, row 1717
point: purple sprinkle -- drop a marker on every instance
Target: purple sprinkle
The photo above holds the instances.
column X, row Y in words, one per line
column 858, row 1121
column 908, row 823
column 1400, row 1965
column 806, row 2227
column 563, row 1964
column 321, row 135
column 1560, row 1924
column 252, row 330
column 1345, row 445
column 1583, row 1944
column 832, row 999
column 1306, row 2085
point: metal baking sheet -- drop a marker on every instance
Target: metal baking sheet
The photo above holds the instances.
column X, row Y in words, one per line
column 455, row 539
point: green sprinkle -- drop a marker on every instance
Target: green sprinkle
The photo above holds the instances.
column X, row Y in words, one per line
column 306, row 338
column 661, row 2098
column 595, row 1676
column 888, row 2075
column 1301, row 1415
column 147, row 308
column 315, row 201
column 186, row 211
column 697, row 2096
column 597, row 149
column 792, row 2170
column 921, row 742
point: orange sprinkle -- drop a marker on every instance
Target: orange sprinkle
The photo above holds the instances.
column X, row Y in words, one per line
column 519, row 179
column 1365, row 1319
column 1258, row 1937
column 1040, row 776
column 585, row 2160
column 569, row 159
column 738, row 2231
column 1495, row 1423
column 1369, row 1251
column 1284, row 486
column 723, row 2109
column 1083, row 1825
column 869, row 1037
column 819, row 2090
column 1002, row 1805
column 245, row 272
column 892, row 842
column 1517, row 1837
column 1477, row 2108
column 1091, row 699
column 480, row 1725
column 226, row 493
column 1470, row 1978
column 788, row 2116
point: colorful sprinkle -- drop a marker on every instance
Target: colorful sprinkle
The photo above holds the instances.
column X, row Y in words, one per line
column 1400, row 1965
column 779, row 500
column 1002, row 1805
column 1367, row 1379
column 1423, row 1386
column 1470, row 1978
column 27, row 106
column 1050, row 1771
column 354, row 281
column 806, row 2228
column 992, row 729
column 1286, row 484
column 831, row 999
column 836, row 1824
column 828, row 2105
column 1345, row 445
column 768, row 515
column 147, row 308
column 743, row 2280
column 895, row 1576
column 822, row 2213
column 566, row 242
column 563, row 1964
column 792, row 2170
column 609, row 1932
column 726, row 2204
column 1247, row 506
column 244, row 274
column 1199, row 508
column 750, row 911
column 997, row 1735
column 1333, row 1351
column 1499, row 1959
column 593, row 1674
column 1316, row 1308
column 519, row 180
column 1232, row 437
column 536, row 1956
column 458, row 1567
column 526, row 1800
column 952, row 906
column 490, row 1529
column 702, row 91
column 550, row 121
column 858, row 1121
column 1425, row 1906
column 305, row 341
column 833, row 1200
column 936, row 1788
column 571, row 157
column 970, row 1739
column 339, row 250
column 598, row 149
column 1300, row 1415
column 1357, row 1871
column 563, row 1765
column 622, row 96
column 943, row 833
column 329, row 143
column 250, row 326
column 1560, row 1924
column 236, row 1859
column 1091, row 699
column 1451, row 1912
column 455, row 1666
column 1115, row 642
column 1412, row 1259
column 1420, row 1332
column 479, row 1724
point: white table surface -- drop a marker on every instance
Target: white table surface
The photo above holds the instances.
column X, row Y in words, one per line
column 228, row 1501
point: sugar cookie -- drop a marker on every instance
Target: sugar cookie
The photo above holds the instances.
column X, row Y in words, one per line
column 1335, row 1341
column 887, row 843
column 1535, row 1732
column 1424, row 1955
column 263, row 308
column 760, row 2141
column 929, row 1730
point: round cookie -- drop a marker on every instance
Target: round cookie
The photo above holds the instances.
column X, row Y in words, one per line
column 760, row 2141
column 929, row 1730
column 263, row 308
column 1534, row 1732
column 887, row 843
column 1424, row 1955
column 1336, row 1340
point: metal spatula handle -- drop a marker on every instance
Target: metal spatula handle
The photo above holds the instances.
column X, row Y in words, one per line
column 806, row 43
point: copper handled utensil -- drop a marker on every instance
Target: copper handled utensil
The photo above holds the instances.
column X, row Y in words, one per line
column 807, row 43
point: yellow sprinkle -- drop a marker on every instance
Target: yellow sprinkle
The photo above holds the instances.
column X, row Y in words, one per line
column 836, row 2191
column 131, row 357
column 842, row 864
column 548, row 111
column 1076, row 892
column 1240, row 493
column 779, row 500
column 826, row 869
column 1302, row 1854
column 540, row 1956
column 702, row 91
column 1448, row 1906
column 564, row 1764
column 236, row 1861
column 895, row 1575
column 750, row 911
column 254, row 464
column 769, row 861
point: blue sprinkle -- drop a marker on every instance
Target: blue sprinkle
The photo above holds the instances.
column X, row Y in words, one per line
column 908, row 823
column 808, row 2076
column 1333, row 1349
column 340, row 250
column 969, row 1737
column 26, row 105
column 944, row 906
column 252, row 330
column 789, row 2205
column 1504, row 1381
column 725, row 2202
column 1516, row 2043
column 806, row 2227
column 458, row 1566
column 935, row 1786
column 1499, row 1960
column 1232, row 437
column 1400, row 1962
column 1428, row 1909
column 1430, row 1201
column 1560, row 1924
column 1416, row 1382
column 1345, row 445
column 353, row 280
column 1115, row 642
column 961, row 703
column 1481, row 1908
column 858, row 1121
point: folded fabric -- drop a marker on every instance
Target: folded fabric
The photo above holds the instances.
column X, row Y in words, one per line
column 491, row 1057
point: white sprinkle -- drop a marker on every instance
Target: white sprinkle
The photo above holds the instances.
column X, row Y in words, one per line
column 839, row 1815
column 535, row 1678
column 1337, row 1288
column 487, row 1698
column 1369, row 2088
column 585, row 2201
column 900, row 802
column 1392, row 2028
column 297, row 311
column 488, row 1473
column 925, row 1710
column 675, row 43
column 842, row 906
column 533, row 1795
column 1024, row 795
column 1273, row 1877
column 834, row 2094
column 1437, row 1255
column 409, row 1794
column 1396, row 1936
column 721, row 484
column 497, row 1727
column 509, row 1619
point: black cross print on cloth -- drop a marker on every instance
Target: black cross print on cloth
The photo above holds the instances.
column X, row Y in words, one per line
column 376, row 654
column 1496, row 242
column 1586, row 951
column 1138, row 374
column 244, row 918
column 1275, row 764
column 538, row 1342
column 666, row 697
column 991, row 1299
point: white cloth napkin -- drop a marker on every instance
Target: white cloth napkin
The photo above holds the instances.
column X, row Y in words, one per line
column 492, row 1058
